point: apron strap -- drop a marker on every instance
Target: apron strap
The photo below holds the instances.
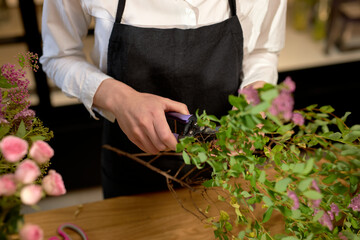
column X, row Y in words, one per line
column 232, row 4
column 121, row 7
column 120, row 11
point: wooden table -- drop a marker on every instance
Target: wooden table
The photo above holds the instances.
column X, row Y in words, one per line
column 150, row 216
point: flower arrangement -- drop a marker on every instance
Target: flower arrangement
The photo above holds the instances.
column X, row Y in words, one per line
column 24, row 153
column 303, row 165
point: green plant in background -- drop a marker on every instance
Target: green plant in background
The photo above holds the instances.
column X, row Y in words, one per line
column 302, row 164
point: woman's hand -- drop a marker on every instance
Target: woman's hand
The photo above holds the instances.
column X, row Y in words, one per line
column 141, row 116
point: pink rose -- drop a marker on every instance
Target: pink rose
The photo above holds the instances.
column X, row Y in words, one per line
column 27, row 172
column 31, row 194
column 41, row 151
column 7, row 185
column 13, row 148
column 53, row 184
column 31, row 232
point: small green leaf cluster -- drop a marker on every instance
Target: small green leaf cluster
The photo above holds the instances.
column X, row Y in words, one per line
column 308, row 172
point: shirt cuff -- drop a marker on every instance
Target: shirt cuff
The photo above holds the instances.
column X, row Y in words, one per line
column 260, row 66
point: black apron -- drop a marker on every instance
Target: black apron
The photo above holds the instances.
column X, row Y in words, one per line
column 199, row 67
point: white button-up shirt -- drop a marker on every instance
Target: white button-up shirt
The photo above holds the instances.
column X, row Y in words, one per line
column 65, row 24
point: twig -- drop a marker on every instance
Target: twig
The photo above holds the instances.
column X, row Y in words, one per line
column 148, row 165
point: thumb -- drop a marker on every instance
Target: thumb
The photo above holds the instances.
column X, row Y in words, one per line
column 174, row 106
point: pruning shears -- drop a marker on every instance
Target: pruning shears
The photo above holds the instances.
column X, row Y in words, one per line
column 72, row 227
column 190, row 127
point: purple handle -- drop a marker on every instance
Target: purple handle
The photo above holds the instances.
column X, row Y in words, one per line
column 178, row 116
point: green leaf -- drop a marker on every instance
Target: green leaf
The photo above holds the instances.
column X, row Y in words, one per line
column 202, row 156
column 249, row 122
column 238, row 102
column 355, row 127
column 355, row 224
column 35, row 138
column 262, row 177
column 299, row 168
column 351, row 151
column 281, row 185
column 261, row 107
column 186, row 157
column 4, row 83
column 340, row 125
column 311, row 107
column 335, row 136
column 267, row 214
column 269, row 95
column 21, row 132
column 276, row 149
column 310, row 237
column 268, row 202
column 309, row 166
column 313, row 195
column 242, row 234
column 327, row 109
column 208, row 183
column 4, row 130
column 296, row 214
column 330, row 179
column 245, row 194
column 318, row 215
column 289, row 238
column 343, row 118
column 352, row 136
column 304, row 184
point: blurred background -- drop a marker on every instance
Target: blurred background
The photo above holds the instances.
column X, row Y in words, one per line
column 322, row 55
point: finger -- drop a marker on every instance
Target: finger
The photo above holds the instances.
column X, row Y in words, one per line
column 137, row 136
column 164, row 133
column 179, row 107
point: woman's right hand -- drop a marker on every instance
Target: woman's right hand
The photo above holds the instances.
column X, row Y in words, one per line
column 141, row 116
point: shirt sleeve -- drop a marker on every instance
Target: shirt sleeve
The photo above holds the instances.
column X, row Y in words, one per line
column 64, row 26
column 264, row 37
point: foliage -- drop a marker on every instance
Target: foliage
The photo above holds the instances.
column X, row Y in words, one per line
column 302, row 164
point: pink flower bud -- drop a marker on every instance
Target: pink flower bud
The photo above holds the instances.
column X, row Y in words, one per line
column 31, row 194
column 53, row 184
column 41, row 152
column 7, row 185
column 27, row 172
column 31, row 232
column 13, row 148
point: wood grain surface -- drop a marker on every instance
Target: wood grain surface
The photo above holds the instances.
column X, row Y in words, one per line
column 149, row 216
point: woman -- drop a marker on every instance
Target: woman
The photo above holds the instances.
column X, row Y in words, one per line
column 155, row 56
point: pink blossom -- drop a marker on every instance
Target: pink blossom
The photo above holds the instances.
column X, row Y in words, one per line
column 298, row 119
column 13, row 148
column 325, row 220
column 26, row 115
column 295, row 199
column 315, row 186
column 335, row 209
column 283, row 105
column 7, row 185
column 41, row 152
column 31, row 194
column 31, row 232
column 355, row 203
column 289, row 84
column 19, row 94
column 251, row 95
column 27, row 172
column 342, row 236
column 53, row 184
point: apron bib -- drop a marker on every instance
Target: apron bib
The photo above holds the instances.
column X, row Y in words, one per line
column 199, row 67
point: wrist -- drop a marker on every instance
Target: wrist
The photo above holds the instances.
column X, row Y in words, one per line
column 110, row 93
